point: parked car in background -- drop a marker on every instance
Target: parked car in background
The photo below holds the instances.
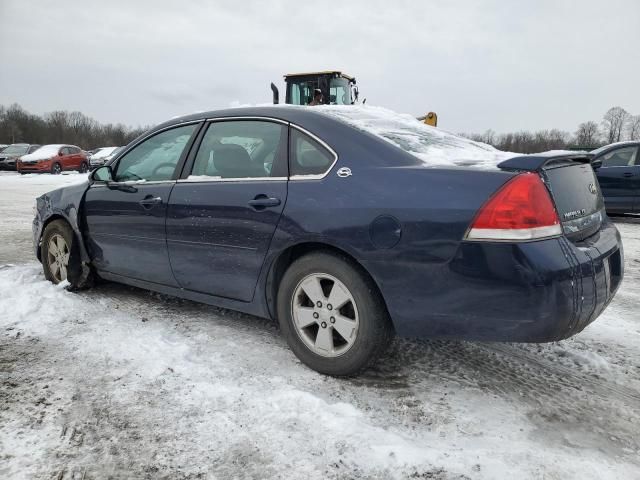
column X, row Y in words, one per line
column 113, row 155
column 617, row 167
column 2, row 147
column 54, row 159
column 11, row 153
column 99, row 156
column 346, row 236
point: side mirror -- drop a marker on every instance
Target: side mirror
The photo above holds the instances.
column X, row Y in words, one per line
column 101, row 174
column 596, row 164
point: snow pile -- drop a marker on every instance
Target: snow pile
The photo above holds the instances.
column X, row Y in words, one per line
column 434, row 146
column 125, row 383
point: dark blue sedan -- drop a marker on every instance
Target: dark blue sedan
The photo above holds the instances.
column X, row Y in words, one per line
column 617, row 167
column 342, row 229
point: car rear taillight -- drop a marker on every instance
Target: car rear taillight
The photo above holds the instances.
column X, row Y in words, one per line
column 521, row 210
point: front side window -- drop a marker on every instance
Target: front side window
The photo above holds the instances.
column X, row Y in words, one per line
column 242, row 149
column 308, row 157
column 621, row 157
column 156, row 158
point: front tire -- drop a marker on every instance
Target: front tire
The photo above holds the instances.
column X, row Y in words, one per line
column 332, row 315
column 56, row 169
column 60, row 256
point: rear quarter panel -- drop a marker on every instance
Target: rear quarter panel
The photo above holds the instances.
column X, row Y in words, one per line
column 431, row 207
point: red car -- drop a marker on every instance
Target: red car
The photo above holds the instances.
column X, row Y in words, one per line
column 54, row 159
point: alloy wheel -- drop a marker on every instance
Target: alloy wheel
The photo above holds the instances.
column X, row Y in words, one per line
column 58, row 257
column 325, row 315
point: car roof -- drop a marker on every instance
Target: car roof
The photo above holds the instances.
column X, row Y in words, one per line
column 288, row 113
column 611, row 146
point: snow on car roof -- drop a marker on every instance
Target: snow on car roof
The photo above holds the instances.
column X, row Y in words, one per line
column 44, row 152
column 434, row 146
column 615, row 144
column 104, row 152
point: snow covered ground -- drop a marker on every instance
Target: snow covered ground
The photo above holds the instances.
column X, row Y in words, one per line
column 117, row 382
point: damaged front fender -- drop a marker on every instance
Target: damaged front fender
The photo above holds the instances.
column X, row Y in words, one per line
column 66, row 204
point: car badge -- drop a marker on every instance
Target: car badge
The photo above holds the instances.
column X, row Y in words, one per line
column 344, row 172
column 592, row 188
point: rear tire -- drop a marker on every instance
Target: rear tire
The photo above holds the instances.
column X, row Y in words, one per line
column 84, row 167
column 342, row 339
column 56, row 169
column 60, row 256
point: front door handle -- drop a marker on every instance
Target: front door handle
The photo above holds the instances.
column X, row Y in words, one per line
column 627, row 174
column 262, row 201
column 150, row 201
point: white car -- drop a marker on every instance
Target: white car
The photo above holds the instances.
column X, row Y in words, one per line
column 100, row 156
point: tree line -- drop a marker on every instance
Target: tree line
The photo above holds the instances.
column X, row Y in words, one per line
column 616, row 125
column 75, row 128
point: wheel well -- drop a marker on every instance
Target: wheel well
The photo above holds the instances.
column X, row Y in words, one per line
column 291, row 254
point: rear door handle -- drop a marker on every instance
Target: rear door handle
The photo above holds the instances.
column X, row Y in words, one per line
column 262, row 201
column 150, row 201
column 627, row 174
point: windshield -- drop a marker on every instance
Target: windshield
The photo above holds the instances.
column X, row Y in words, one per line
column 339, row 91
column 16, row 149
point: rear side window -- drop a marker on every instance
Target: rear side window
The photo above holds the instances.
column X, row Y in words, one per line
column 621, row 157
column 242, row 149
column 308, row 157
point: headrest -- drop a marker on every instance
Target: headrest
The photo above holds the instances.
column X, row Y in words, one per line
column 232, row 160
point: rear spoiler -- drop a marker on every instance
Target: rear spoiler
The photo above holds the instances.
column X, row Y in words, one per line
column 534, row 163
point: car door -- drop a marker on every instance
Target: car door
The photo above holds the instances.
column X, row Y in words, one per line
column 74, row 158
column 125, row 218
column 619, row 178
column 63, row 158
column 223, row 212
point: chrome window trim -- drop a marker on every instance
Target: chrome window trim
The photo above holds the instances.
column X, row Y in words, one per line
column 239, row 179
column 130, row 184
column 324, row 144
column 622, row 166
column 248, row 118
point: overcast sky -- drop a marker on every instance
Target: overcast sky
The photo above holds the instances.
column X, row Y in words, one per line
column 505, row 65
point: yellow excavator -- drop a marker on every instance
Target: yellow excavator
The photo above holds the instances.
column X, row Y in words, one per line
column 337, row 88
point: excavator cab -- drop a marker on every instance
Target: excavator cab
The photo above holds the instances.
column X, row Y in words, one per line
column 337, row 88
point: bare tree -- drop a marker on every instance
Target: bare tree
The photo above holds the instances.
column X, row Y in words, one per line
column 18, row 125
column 633, row 128
column 587, row 134
column 614, row 122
